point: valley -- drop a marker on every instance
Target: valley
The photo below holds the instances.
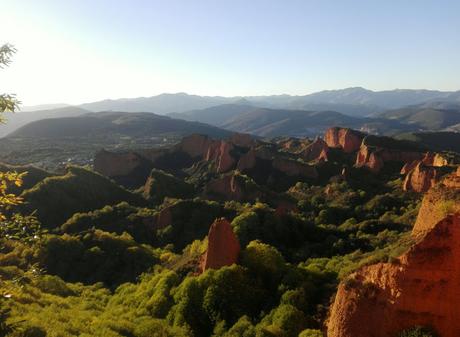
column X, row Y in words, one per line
column 210, row 234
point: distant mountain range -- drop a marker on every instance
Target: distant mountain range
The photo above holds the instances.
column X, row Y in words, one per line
column 386, row 112
column 434, row 116
column 270, row 122
column 220, row 120
column 350, row 101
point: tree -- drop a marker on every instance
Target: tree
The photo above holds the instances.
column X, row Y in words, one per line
column 8, row 103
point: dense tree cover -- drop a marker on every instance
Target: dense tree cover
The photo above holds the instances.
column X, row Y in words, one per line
column 57, row 198
column 115, row 269
column 191, row 219
column 119, row 218
column 160, row 185
column 96, row 256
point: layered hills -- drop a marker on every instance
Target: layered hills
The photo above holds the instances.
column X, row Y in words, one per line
column 357, row 102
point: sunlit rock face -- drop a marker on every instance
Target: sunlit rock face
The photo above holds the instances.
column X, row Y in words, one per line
column 442, row 199
column 195, row 145
column 347, row 139
column 421, row 287
column 220, row 153
column 421, row 178
column 375, row 157
column 316, row 151
column 223, row 246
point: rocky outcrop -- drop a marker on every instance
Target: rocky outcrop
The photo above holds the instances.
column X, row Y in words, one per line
column 421, row 178
column 347, row 139
column 442, row 199
column 430, row 159
column 220, row 153
column 223, row 246
column 423, row 174
column 232, row 186
column 422, row 288
column 195, row 145
column 434, row 159
column 293, row 145
column 409, row 167
column 453, row 180
column 316, row 151
column 375, row 157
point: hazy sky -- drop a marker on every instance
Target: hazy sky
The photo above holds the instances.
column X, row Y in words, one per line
column 76, row 51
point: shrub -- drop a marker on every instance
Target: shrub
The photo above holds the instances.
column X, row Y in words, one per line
column 311, row 333
column 417, row 331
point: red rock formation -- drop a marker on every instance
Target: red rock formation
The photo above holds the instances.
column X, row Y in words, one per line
column 347, row 139
column 112, row 164
column 249, row 159
column 195, row 145
column 223, row 246
column 421, row 178
column 323, row 156
column 374, row 158
column 409, row 167
column 315, row 151
column 219, row 152
column 293, row 145
column 232, row 187
column 434, row 159
column 208, row 149
column 442, row 199
column 421, row 288
column 226, row 187
column 294, row 168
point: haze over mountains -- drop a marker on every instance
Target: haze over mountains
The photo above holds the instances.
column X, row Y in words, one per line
column 392, row 111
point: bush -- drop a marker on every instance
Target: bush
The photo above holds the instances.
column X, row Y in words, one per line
column 311, row 333
column 95, row 257
column 53, row 285
column 417, row 331
column 160, row 185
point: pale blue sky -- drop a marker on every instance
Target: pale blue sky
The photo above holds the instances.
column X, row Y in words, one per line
column 78, row 51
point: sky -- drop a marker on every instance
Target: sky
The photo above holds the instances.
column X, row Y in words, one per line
column 78, row 51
